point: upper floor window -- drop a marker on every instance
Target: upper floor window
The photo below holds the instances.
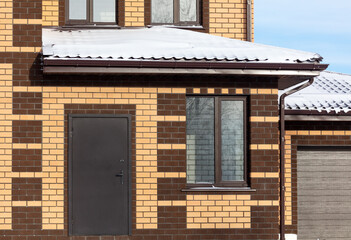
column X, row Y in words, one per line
column 91, row 11
column 177, row 12
column 216, row 141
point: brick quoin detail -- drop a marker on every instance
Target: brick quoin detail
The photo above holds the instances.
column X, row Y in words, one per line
column 27, row 131
column 27, row 35
column 26, row 160
column 27, row 103
column 27, row 9
column 26, row 189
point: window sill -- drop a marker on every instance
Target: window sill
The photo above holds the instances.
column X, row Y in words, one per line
column 218, row 189
column 91, row 26
column 193, row 27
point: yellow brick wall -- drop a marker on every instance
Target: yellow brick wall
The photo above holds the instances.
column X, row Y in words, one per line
column 222, row 211
column 134, row 13
column 50, row 12
column 7, row 21
column 228, row 18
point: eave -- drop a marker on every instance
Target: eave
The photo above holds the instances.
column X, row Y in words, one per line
column 314, row 115
column 76, row 66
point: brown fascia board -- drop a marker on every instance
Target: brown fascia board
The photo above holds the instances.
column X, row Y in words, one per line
column 314, row 115
column 183, row 64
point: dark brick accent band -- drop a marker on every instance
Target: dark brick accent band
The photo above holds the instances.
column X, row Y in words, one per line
column 26, row 189
column 171, row 104
column 171, row 160
column 27, row 9
column 171, row 132
column 25, row 221
column 27, row 35
column 26, row 160
column 26, row 131
column 169, row 188
column 172, row 218
column 27, row 103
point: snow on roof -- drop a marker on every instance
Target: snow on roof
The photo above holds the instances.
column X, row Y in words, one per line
column 162, row 43
column 329, row 92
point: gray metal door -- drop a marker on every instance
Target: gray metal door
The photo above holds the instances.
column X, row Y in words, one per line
column 324, row 193
column 98, row 175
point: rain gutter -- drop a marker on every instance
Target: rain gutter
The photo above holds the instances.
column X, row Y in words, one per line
column 69, row 66
column 249, row 20
column 282, row 153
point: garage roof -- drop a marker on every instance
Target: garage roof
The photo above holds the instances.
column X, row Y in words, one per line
column 330, row 92
column 162, row 43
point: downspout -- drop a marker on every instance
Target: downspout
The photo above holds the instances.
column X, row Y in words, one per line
column 282, row 153
column 249, row 21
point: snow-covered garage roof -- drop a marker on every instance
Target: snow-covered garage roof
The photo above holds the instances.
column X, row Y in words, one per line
column 162, row 43
column 330, row 92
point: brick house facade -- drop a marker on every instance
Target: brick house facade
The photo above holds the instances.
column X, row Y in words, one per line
column 35, row 130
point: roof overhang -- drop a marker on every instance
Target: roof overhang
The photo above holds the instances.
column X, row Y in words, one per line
column 76, row 66
column 314, row 115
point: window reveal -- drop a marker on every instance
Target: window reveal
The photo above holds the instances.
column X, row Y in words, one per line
column 216, row 141
column 91, row 11
column 178, row 12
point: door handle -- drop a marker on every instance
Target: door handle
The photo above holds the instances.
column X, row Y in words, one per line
column 121, row 174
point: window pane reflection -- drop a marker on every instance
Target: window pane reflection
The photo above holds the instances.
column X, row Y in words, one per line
column 200, row 140
column 78, row 9
column 162, row 11
column 232, row 139
column 104, row 10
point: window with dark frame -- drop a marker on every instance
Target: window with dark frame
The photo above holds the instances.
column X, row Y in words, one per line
column 175, row 12
column 216, row 141
column 91, row 12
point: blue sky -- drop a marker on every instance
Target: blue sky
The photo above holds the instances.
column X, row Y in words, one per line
column 320, row 26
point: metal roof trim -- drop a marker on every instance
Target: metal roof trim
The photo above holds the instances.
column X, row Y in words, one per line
column 184, row 64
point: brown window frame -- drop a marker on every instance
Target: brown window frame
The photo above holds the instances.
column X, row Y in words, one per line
column 89, row 13
column 217, row 148
column 176, row 15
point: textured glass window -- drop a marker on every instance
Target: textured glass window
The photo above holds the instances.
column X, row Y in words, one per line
column 200, row 140
column 232, row 140
column 104, row 11
column 78, row 9
column 162, row 11
column 188, row 10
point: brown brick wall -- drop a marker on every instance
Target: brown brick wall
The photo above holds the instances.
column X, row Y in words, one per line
column 27, row 131
column 27, row 9
column 27, row 103
column 312, row 140
column 26, row 160
column 169, row 189
column 25, row 35
column 171, row 160
column 26, row 189
column 171, row 104
column 171, row 132
column 26, row 221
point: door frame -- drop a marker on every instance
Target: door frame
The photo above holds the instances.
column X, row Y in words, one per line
column 70, row 164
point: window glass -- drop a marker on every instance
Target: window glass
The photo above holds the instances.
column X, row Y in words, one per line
column 162, row 11
column 104, row 11
column 77, row 9
column 200, row 140
column 187, row 11
column 232, row 140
